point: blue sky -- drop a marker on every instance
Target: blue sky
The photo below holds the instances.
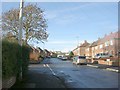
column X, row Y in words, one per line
column 70, row 22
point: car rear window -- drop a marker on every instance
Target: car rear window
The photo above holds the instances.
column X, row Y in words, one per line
column 82, row 57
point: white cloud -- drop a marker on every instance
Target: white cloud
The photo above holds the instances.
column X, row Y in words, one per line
column 60, row 17
column 57, row 12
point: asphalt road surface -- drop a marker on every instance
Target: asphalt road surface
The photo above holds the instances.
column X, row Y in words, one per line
column 55, row 73
column 81, row 76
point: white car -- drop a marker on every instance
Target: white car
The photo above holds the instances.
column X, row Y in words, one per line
column 79, row 60
column 64, row 58
column 102, row 55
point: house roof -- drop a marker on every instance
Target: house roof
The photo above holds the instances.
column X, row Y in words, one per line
column 95, row 43
column 76, row 48
column 106, row 38
column 46, row 50
column 85, row 44
column 40, row 49
column 112, row 35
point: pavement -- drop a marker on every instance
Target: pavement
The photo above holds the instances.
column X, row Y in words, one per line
column 38, row 80
column 39, row 76
column 105, row 67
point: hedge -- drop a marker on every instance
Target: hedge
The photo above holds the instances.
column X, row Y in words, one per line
column 14, row 57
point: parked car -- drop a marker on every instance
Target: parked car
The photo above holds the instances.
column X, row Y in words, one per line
column 88, row 57
column 64, row 58
column 48, row 56
column 79, row 60
column 60, row 57
column 102, row 55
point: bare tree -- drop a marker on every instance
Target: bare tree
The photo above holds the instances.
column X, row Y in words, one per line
column 10, row 22
column 34, row 23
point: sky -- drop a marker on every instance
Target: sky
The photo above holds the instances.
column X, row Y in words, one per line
column 70, row 23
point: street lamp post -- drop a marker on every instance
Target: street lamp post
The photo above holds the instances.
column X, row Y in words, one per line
column 20, row 22
column 78, row 51
column 20, row 31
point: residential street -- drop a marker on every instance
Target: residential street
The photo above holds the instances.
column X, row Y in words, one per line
column 82, row 76
column 45, row 42
column 55, row 73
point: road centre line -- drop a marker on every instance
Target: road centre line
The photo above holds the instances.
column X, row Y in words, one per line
column 44, row 65
column 50, row 69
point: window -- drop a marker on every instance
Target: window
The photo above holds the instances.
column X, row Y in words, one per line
column 87, row 49
column 111, row 42
column 96, row 47
column 106, row 43
column 92, row 48
column 82, row 57
column 101, row 46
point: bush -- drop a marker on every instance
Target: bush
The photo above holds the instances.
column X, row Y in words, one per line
column 71, row 54
column 13, row 58
column 25, row 58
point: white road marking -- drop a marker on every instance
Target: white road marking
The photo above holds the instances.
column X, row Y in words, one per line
column 44, row 65
column 110, row 69
column 50, row 69
column 69, row 81
column 92, row 66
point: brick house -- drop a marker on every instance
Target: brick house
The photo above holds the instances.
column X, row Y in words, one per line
column 107, row 44
column 47, row 53
column 76, row 51
column 34, row 54
column 88, row 50
column 80, row 50
column 111, row 43
column 83, row 48
column 94, row 48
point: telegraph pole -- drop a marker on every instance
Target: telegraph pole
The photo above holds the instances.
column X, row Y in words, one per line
column 20, row 32
column 78, row 51
column 20, row 22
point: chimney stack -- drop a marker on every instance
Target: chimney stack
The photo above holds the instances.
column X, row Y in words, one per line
column 85, row 41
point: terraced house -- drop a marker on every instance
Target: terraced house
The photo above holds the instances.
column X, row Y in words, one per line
column 108, row 44
column 80, row 50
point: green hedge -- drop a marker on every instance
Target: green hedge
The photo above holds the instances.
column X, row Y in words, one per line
column 14, row 57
